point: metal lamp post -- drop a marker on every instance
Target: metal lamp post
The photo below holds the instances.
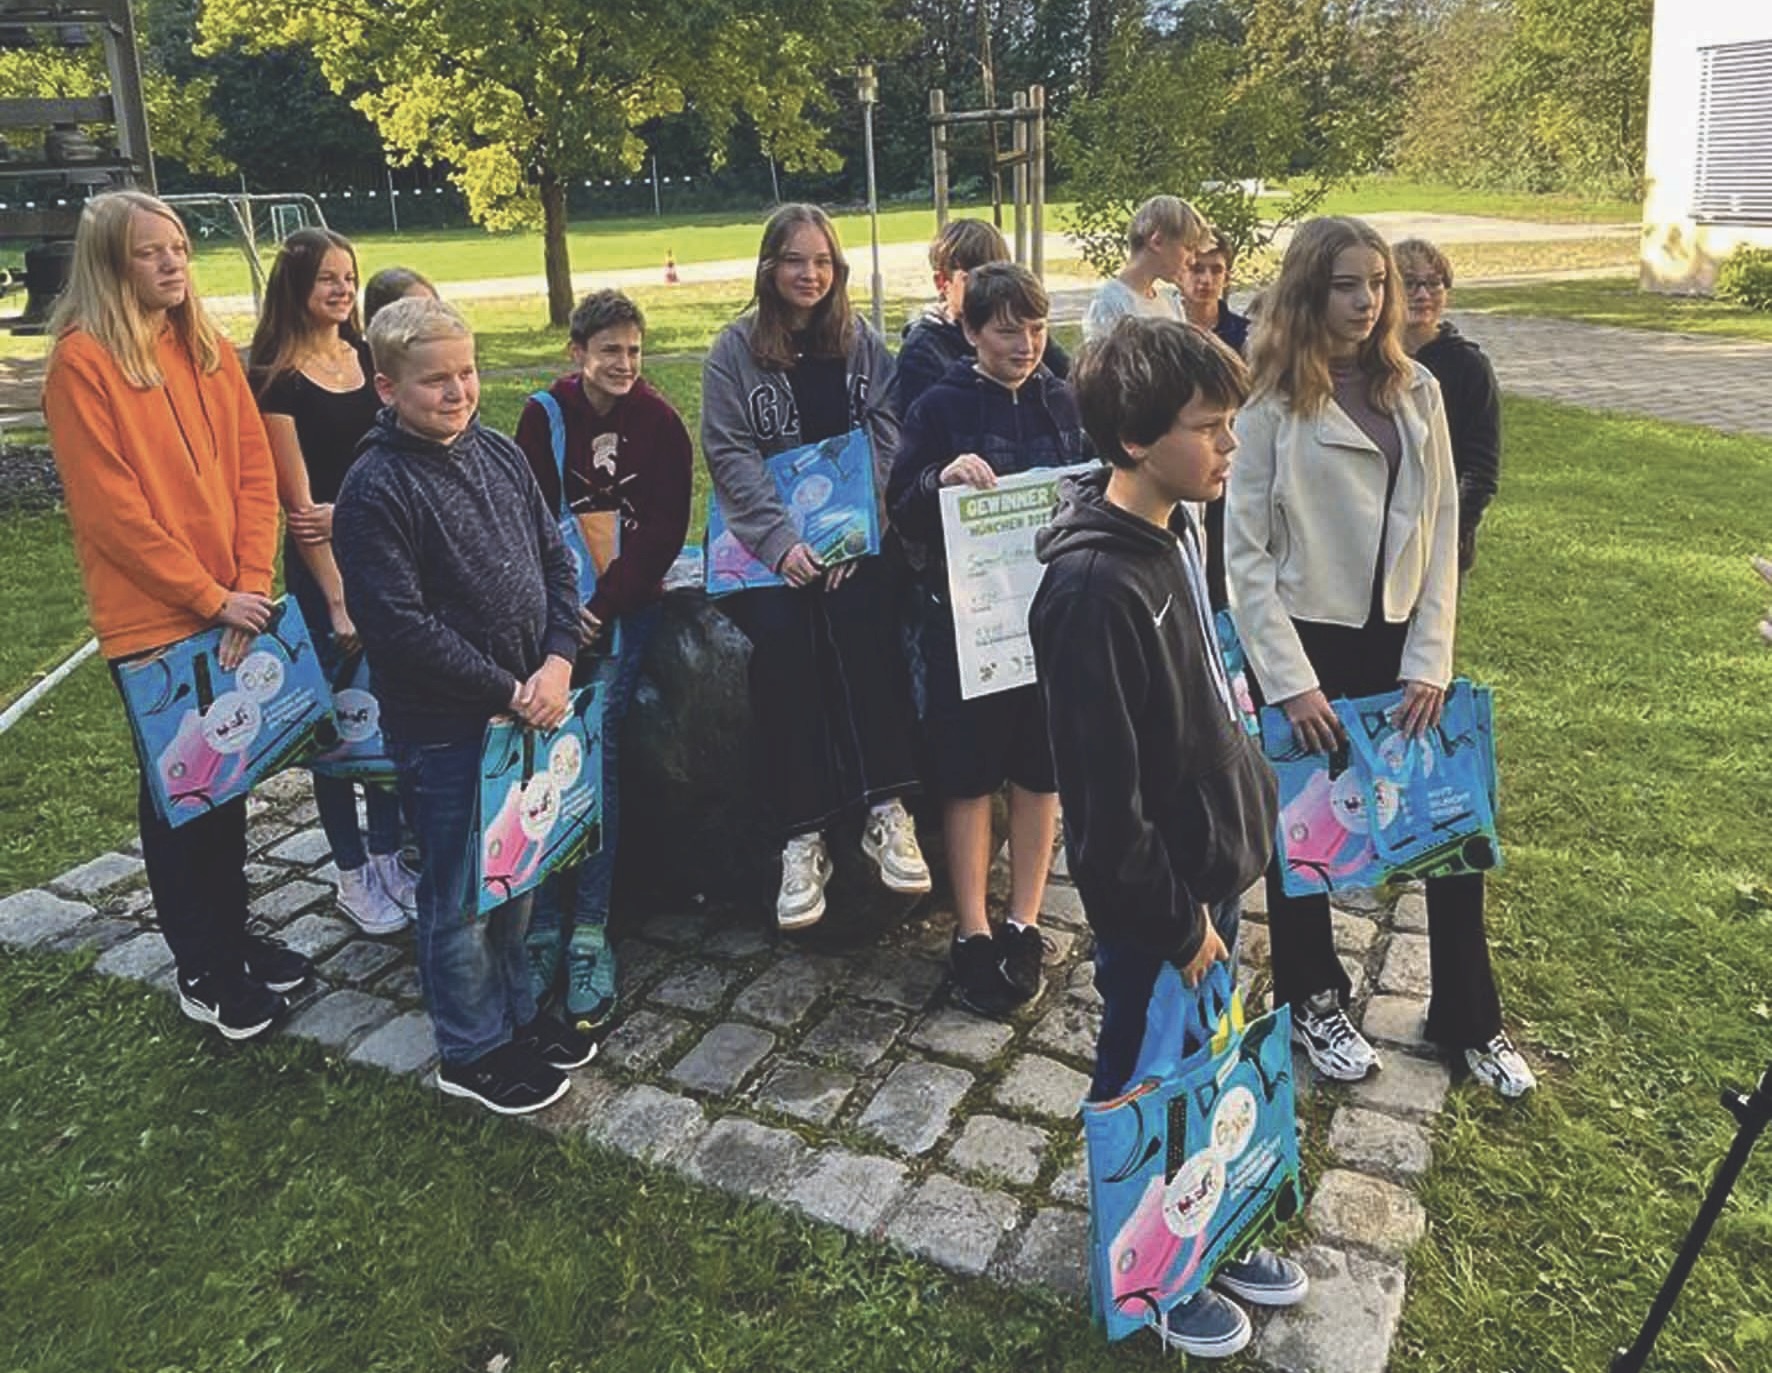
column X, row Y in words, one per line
column 867, row 89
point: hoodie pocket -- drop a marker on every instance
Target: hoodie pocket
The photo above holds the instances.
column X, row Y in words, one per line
column 1235, row 806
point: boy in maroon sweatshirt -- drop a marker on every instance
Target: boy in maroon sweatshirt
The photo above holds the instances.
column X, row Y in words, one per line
column 601, row 440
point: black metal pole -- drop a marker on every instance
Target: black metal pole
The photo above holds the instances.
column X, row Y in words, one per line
column 1753, row 1112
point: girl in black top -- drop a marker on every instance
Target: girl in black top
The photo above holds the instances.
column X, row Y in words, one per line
column 315, row 386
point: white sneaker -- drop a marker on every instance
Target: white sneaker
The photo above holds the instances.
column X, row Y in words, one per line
column 1499, row 1065
column 805, row 868
column 1337, row 1050
column 890, row 839
column 398, row 882
column 372, row 910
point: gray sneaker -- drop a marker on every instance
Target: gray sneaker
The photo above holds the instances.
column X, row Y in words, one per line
column 1337, row 1050
column 1499, row 1065
column 1206, row 1326
column 890, row 839
column 805, row 868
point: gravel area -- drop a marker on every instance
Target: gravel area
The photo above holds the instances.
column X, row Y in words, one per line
column 28, row 479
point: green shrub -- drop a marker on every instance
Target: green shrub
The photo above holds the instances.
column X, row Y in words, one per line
column 1746, row 278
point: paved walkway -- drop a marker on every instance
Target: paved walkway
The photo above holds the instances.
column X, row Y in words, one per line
column 1690, row 378
column 845, row 1086
column 1685, row 378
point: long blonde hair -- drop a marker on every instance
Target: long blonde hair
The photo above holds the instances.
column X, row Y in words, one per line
column 100, row 300
column 1289, row 353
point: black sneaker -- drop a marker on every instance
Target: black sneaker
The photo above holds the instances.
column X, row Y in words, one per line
column 979, row 984
column 238, row 1006
column 1021, row 955
column 508, row 1080
column 559, row 1046
column 274, row 963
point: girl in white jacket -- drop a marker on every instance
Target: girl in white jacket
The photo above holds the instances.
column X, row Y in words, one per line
column 1341, row 534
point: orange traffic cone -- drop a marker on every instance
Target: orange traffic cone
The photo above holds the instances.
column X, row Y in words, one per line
column 670, row 269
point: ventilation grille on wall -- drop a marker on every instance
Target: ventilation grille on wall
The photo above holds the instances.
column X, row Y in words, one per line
column 1733, row 184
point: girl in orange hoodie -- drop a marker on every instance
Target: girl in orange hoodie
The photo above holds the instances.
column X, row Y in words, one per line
column 173, row 502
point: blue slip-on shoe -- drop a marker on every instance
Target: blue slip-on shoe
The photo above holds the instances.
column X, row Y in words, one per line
column 1206, row 1326
column 1264, row 1278
column 545, row 942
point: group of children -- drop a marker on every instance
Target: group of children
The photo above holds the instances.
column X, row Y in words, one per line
column 1314, row 491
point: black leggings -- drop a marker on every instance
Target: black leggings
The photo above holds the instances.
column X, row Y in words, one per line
column 830, row 694
column 1465, row 1011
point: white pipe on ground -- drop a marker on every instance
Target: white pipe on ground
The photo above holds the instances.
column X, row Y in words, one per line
column 19, row 708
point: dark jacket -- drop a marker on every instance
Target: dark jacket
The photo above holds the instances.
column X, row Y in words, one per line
column 1473, row 416
column 967, row 412
column 454, row 574
column 1232, row 329
column 1168, row 804
column 933, row 343
column 636, row 459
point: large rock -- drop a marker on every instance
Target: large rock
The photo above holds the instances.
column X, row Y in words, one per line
column 693, row 822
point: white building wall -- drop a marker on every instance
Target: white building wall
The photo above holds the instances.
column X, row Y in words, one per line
column 1679, row 253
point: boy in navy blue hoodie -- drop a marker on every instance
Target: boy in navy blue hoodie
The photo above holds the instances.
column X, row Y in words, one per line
column 1169, row 808
column 936, row 339
column 994, row 414
column 468, row 607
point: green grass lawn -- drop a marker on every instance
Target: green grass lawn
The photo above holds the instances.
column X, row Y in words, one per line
column 1617, row 300
column 594, row 245
column 171, row 1204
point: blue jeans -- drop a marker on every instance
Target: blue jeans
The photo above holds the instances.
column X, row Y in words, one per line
column 620, row 676
column 1125, row 975
column 474, row 972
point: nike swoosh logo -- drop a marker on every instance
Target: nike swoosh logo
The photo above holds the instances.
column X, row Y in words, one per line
column 1164, row 611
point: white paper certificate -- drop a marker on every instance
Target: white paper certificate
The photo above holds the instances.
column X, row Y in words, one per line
column 993, row 574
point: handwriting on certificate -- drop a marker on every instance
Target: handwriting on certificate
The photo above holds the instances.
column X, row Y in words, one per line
column 993, row 573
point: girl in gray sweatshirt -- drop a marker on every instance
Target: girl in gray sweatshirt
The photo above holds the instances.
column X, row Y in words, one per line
column 829, row 690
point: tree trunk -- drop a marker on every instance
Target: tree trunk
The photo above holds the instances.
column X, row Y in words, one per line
column 555, row 253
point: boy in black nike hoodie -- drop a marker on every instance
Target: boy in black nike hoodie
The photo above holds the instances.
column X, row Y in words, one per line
column 1169, row 807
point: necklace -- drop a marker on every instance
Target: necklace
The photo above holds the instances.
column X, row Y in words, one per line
column 337, row 366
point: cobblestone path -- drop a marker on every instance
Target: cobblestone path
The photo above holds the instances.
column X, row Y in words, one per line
column 845, row 1086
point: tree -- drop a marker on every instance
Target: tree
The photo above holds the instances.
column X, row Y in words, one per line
column 1542, row 95
column 180, row 125
column 251, row 97
column 520, row 96
column 1265, row 90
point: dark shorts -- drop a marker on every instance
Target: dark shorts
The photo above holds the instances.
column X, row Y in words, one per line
column 975, row 746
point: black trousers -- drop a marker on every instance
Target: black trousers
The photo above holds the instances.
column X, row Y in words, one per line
column 830, row 694
column 1465, row 1010
column 197, row 874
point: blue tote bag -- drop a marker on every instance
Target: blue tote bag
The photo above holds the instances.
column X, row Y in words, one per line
column 1198, row 1159
column 1429, row 805
column 586, row 563
column 206, row 735
column 541, row 800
